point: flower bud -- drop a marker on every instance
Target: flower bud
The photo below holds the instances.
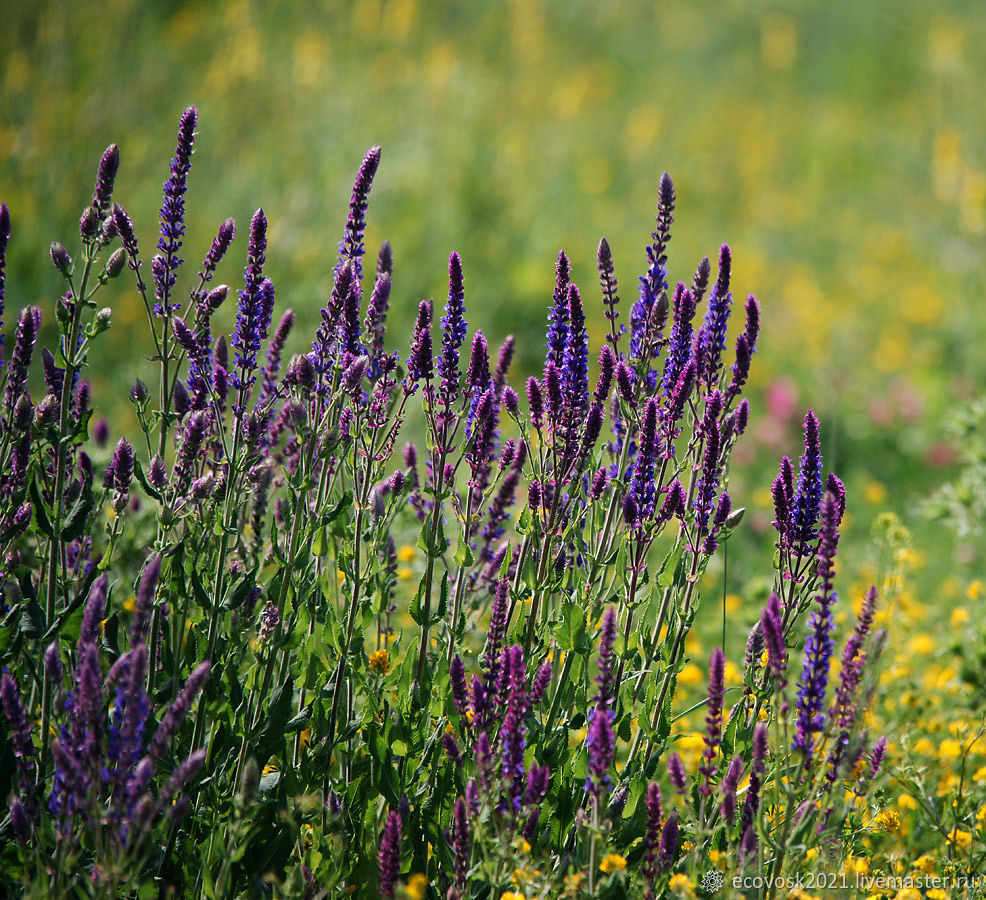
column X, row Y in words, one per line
column 139, row 393
column 114, row 265
column 89, row 223
column 62, row 261
column 102, row 320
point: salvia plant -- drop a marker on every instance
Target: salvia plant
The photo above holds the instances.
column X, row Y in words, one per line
column 217, row 681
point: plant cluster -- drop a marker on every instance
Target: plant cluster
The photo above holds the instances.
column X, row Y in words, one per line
column 271, row 711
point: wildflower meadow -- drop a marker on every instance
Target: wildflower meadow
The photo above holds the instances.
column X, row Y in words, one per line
column 357, row 597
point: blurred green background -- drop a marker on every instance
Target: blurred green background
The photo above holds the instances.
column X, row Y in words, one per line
column 839, row 147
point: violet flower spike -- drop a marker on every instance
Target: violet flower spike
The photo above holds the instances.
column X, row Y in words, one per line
column 711, row 339
column 351, row 248
column 804, row 509
column 606, row 677
column 25, row 336
column 419, row 365
column 713, row 720
column 608, row 285
column 557, row 337
column 453, row 332
column 253, row 314
column 173, row 213
column 4, row 241
column 772, row 626
column 655, row 281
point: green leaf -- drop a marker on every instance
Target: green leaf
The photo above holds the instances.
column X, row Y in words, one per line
column 571, row 633
column 75, row 521
column 142, row 478
column 666, row 574
column 40, row 511
column 278, row 715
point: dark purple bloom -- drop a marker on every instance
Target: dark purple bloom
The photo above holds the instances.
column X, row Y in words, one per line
column 605, row 680
column 652, row 836
column 253, row 314
column 713, row 719
column 512, row 732
column 655, row 281
column 642, row 485
column 676, row 773
column 729, row 785
column 453, row 332
column 178, row 711
column 351, row 247
column 680, row 341
column 490, row 661
column 804, row 509
column 772, row 626
column 461, row 840
column 676, row 406
column 575, row 362
column 708, row 482
column 600, row 742
column 452, row 749
column 607, row 283
column 667, row 850
column 599, row 482
column 105, row 177
column 504, row 357
column 274, row 351
column 173, row 213
column 834, row 486
column 4, row 240
column 457, row 681
column 814, row 678
column 607, row 367
column 557, row 338
column 419, row 365
column 535, row 402
column 25, row 335
column 146, row 592
column 123, row 465
column 18, row 727
column 375, row 324
column 711, row 340
column 478, row 373
column 542, row 680
column 190, row 447
column 220, row 244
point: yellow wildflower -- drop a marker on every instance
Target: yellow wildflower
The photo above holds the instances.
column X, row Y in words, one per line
column 417, row 886
column 925, row 865
column 380, row 661
column 406, row 553
column 612, row 862
column 960, row 616
column 512, row 895
column 307, row 836
column 908, row 894
column 888, row 820
column 681, row 886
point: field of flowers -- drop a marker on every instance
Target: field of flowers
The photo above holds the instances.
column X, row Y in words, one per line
column 595, row 576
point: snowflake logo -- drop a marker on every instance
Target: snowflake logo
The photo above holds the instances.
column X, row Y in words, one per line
column 712, row 881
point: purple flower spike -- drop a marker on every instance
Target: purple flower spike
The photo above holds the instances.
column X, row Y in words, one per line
column 25, row 336
column 504, row 357
column 419, row 364
column 173, row 213
column 600, row 742
column 676, row 773
column 606, row 677
column 105, row 177
column 667, row 851
column 804, row 509
column 680, row 345
column 655, row 281
column 575, row 362
column 652, row 836
column 351, row 247
column 453, row 332
column 607, row 283
column 478, row 373
column 713, row 719
column 542, row 680
column 178, row 711
column 535, row 402
column 254, row 310
column 642, row 486
column 461, row 843
column 19, row 729
column 729, row 785
column 123, row 465
column 4, row 240
column 607, row 368
column 711, row 340
column 557, row 339
column 772, row 625
column 146, row 592
column 457, row 681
